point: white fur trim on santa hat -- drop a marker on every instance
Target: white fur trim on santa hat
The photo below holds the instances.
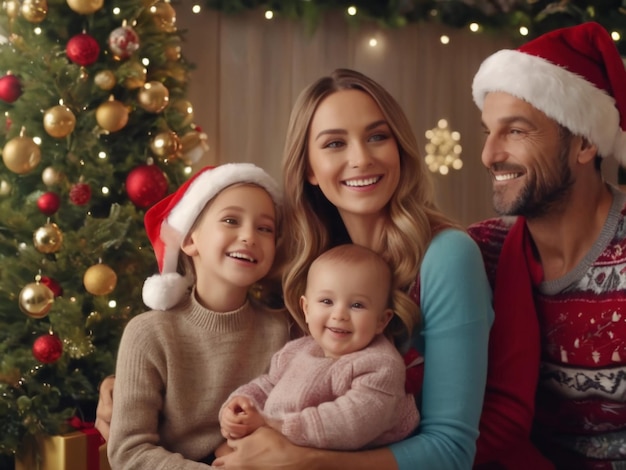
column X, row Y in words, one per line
column 209, row 184
column 164, row 291
column 563, row 96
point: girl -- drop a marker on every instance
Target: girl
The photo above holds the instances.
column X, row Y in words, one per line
column 206, row 334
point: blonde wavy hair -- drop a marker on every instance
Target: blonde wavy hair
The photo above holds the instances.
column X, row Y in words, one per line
column 312, row 224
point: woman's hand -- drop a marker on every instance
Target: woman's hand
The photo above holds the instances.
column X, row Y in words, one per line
column 104, row 411
column 264, row 448
column 223, row 449
column 267, row 448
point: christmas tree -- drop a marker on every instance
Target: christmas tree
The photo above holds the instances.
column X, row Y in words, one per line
column 94, row 129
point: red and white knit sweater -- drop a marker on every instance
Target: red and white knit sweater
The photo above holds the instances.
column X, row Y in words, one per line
column 580, row 420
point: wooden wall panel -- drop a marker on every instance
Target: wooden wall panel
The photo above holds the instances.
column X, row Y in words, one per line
column 250, row 71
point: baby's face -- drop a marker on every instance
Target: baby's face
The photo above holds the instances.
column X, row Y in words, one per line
column 345, row 306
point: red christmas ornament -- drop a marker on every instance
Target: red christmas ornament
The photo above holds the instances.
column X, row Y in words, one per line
column 47, row 348
column 48, row 203
column 146, row 185
column 53, row 285
column 10, row 88
column 82, row 49
column 80, row 194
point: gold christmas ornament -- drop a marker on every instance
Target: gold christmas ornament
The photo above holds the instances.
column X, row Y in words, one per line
column 34, row 11
column 171, row 71
column 105, row 80
column 21, row 154
column 48, row 238
column 85, row 7
column 5, row 188
column 194, row 145
column 179, row 113
column 59, row 121
column 132, row 74
column 166, row 145
column 36, row 300
column 51, row 176
column 12, row 8
column 112, row 115
column 172, row 53
column 164, row 16
column 100, row 279
column 153, row 97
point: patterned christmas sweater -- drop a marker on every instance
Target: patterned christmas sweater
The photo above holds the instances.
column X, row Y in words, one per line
column 580, row 420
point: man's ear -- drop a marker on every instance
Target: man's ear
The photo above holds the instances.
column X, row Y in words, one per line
column 384, row 320
column 587, row 151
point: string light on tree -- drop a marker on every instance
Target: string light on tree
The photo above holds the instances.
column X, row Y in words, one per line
column 443, row 150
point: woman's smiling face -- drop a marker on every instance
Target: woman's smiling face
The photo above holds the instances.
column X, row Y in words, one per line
column 352, row 154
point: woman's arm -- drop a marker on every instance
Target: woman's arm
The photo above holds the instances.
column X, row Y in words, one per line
column 455, row 300
column 266, row 448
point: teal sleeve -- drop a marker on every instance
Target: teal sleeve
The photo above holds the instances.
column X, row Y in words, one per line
column 457, row 314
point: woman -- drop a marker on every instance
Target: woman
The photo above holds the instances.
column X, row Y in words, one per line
column 353, row 173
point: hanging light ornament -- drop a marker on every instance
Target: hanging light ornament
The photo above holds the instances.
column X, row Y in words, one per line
column 443, row 150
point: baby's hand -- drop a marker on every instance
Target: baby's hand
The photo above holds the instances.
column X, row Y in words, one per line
column 240, row 418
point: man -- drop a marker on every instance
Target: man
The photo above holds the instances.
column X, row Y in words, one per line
column 552, row 109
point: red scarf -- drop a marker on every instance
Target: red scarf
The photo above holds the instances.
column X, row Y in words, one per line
column 514, row 354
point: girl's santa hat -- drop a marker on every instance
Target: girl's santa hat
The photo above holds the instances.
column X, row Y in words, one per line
column 574, row 75
column 168, row 222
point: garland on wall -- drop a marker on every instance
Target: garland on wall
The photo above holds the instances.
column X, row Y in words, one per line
column 521, row 19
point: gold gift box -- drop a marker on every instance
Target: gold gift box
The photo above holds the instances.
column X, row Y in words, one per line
column 63, row 452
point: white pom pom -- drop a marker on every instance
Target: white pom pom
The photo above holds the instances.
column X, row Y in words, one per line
column 163, row 291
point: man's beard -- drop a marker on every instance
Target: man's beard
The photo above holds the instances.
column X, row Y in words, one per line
column 538, row 199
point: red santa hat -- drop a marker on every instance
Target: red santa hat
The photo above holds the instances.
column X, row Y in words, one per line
column 168, row 222
column 574, row 75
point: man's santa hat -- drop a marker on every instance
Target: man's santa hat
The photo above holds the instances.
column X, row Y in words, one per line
column 169, row 221
column 574, row 75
